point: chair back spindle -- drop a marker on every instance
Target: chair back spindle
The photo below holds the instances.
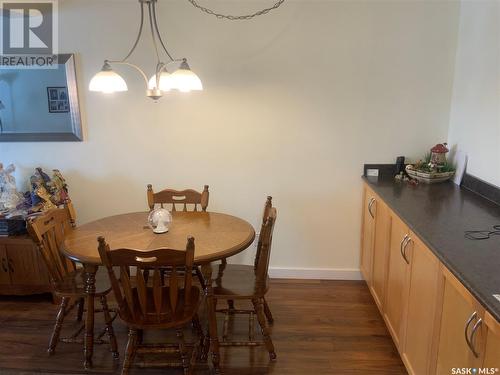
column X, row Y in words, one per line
column 178, row 197
column 141, row 301
column 48, row 232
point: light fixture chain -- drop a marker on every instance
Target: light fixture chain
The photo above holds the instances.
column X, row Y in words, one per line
column 236, row 18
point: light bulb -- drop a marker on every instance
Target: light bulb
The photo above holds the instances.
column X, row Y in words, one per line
column 107, row 81
column 165, row 83
column 185, row 80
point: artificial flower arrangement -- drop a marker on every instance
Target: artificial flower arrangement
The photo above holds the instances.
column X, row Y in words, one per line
column 434, row 167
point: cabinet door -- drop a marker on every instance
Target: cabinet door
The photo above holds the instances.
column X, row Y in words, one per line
column 368, row 226
column 4, row 266
column 380, row 253
column 492, row 348
column 425, row 293
column 25, row 265
column 397, row 280
column 461, row 314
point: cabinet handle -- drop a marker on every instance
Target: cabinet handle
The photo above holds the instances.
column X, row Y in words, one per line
column 472, row 336
column 372, row 200
column 11, row 266
column 401, row 245
column 4, row 267
column 466, row 330
column 408, row 240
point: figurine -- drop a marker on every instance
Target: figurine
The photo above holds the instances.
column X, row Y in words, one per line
column 9, row 196
column 39, row 178
column 47, row 183
column 438, row 154
column 45, row 203
column 60, row 195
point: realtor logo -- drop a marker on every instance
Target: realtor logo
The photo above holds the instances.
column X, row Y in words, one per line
column 29, row 33
column 28, row 27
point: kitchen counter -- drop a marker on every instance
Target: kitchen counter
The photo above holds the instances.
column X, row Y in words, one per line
column 440, row 215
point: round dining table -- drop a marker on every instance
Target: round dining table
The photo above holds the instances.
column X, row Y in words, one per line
column 217, row 236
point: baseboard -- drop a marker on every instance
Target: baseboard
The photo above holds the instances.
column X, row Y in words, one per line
column 315, row 273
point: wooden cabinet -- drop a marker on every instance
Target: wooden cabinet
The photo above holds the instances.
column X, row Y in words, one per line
column 4, row 267
column 436, row 324
column 367, row 234
column 22, row 270
column 398, row 279
column 492, row 344
column 380, row 252
column 461, row 333
column 423, row 312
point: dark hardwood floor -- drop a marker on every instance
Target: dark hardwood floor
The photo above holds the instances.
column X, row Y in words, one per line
column 321, row 327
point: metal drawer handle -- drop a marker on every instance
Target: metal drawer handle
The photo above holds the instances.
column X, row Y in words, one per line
column 472, row 336
column 466, row 330
column 4, row 266
column 372, row 200
column 401, row 245
column 408, row 240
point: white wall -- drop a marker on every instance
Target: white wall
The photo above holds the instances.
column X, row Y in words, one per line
column 475, row 111
column 294, row 103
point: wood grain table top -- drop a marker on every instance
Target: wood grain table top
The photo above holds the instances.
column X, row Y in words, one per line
column 216, row 235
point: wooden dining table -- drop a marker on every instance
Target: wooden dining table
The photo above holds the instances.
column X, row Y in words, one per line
column 217, row 236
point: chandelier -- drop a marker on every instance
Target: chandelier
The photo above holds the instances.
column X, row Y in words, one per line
column 174, row 74
column 182, row 78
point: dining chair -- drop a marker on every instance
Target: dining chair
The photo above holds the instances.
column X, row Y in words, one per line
column 48, row 232
column 184, row 197
column 174, row 197
column 240, row 282
column 267, row 206
column 154, row 305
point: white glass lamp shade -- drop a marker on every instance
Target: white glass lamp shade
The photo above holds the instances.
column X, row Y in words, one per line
column 107, row 81
column 159, row 220
column 185, row 80
column 165, row 83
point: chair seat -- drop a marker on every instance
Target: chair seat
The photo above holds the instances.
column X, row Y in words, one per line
column 184, row 312
column 235, row 282
column 73, row 285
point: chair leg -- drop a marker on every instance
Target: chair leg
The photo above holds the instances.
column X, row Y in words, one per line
column 199, row 275
column 201, row 335
column 267, row 311
column 54, row 339
column 261, row 317
column 182, row 350
column 130, row 351
column 109, row 327
column 81, row 306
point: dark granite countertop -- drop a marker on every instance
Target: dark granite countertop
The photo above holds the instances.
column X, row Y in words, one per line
column 440, row 214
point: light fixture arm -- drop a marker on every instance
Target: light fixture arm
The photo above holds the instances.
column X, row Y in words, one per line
column 139, row 34
column 155, row 22
column 121, row 62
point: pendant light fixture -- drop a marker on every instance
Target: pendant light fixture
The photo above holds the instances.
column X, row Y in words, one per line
column 182, row 77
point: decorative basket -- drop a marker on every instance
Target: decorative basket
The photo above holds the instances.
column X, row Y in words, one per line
column 428, row 177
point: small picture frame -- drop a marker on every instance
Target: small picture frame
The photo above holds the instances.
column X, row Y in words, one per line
column 58, row 99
